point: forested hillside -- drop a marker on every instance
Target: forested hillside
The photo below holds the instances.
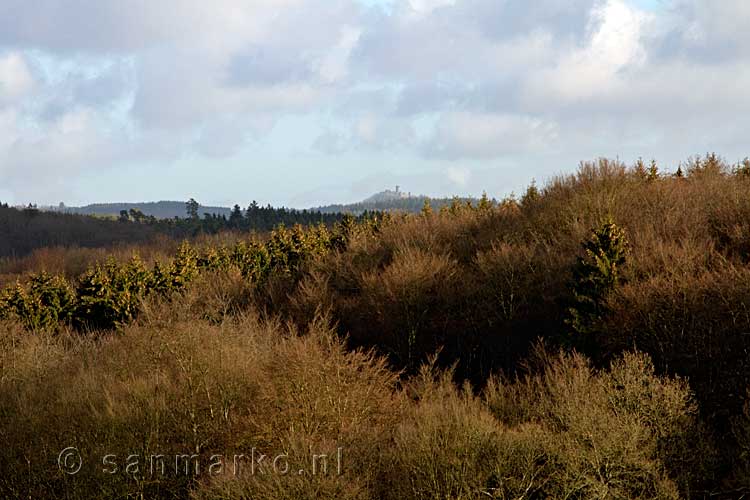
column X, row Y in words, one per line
column 587, row 340
column 24, row 230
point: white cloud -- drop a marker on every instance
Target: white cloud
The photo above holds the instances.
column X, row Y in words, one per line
column 717, row 26
column 334, row 65
column 484, row 135
column 427, row 6
column 16, row 79
column 76, row 141
column 459, row 176
column 614, row 44
column 374, row 131
column 91, row 85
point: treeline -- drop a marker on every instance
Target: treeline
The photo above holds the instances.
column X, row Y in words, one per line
column 27, row 229
column 24, row 230
column 257, row 217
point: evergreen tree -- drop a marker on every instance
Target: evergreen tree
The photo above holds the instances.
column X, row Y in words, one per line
column 484, row 202
column 531, row 195
column 595, row 275
column 235, row 218
column 191, row 207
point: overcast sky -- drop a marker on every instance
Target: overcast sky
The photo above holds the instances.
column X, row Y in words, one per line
column 306, row 102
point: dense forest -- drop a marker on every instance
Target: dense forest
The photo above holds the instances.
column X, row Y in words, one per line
column 172, row 209
column 585, row 340
column 24, row 230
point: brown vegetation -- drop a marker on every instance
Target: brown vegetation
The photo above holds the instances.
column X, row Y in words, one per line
column 457, row 398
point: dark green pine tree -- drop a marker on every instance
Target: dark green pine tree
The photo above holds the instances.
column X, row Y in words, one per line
column 191, row 207
column 235, row 218
column 595, row 275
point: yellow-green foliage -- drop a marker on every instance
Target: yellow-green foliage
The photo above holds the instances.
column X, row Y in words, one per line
column 41, row 304
column 184, row 267
column 109, row 295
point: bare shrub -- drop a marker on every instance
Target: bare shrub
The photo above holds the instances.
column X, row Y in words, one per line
column 404, row 299
column 623, row 433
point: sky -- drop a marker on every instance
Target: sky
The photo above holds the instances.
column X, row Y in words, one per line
column 308, row 102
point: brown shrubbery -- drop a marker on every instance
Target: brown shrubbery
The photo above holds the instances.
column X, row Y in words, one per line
column 184, row 386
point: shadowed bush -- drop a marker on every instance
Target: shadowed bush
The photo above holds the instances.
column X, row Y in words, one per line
column 622, row 433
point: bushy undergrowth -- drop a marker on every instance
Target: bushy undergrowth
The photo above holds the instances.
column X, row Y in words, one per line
column 173, row 384
column 609, row 260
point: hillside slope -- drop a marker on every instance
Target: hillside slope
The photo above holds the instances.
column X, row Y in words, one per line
column 158, row 209
column 600, row 321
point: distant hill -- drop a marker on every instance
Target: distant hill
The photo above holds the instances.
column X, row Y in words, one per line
column 389, row 196
column 389, row 200
column 158, row 209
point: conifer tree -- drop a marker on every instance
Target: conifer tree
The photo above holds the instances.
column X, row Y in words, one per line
column 595, row 275
column 191, row 207
column 531, row 195
column 235, row 218
column 484, row 202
